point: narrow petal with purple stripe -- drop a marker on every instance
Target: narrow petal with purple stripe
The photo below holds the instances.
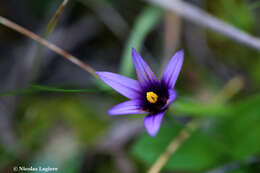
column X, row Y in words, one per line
column 173, row 69
column 152, row 123
column 127, row 107
column 127, row 87
column 144, row 73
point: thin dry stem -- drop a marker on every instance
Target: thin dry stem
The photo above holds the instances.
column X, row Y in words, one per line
column 173, row 146
column 53, row 21
column 202, row 18
column 49, row 45
column 232, row 87
column 49, row 29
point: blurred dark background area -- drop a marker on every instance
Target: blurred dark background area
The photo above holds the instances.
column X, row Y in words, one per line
column 72, row 131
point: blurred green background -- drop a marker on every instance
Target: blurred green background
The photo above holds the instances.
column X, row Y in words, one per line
column 53, row 113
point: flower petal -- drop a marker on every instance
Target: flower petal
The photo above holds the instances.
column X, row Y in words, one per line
column 152, row 123
column 127, row 107
column 172, row 96
column 144, row 72
column 173, row 69
column 128, row 87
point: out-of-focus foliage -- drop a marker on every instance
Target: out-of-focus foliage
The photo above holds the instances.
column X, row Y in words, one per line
column 192, row 108
column 239, row 14
column 236, row 12
column 39, row 8
column 196, row 154
column 70, row 129
column 144, row 23
column 232, row 138
column 45, row 112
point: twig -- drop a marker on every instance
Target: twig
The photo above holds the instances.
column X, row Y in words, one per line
column 44, row 42
column 173, row 146
column 201, row 17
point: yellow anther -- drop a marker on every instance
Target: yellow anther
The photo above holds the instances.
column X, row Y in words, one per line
column 151, row 97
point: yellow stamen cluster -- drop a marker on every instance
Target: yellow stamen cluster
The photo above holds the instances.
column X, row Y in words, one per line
column 151, row 97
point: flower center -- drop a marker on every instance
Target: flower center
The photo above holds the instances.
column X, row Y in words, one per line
column 151, row 97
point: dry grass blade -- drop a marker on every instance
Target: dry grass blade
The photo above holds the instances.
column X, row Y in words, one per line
column 200, row 17
column 53, row 21
column 172, row 33
column 230, row 89
column 173, row 146
column 49, row 29
column 49, row 45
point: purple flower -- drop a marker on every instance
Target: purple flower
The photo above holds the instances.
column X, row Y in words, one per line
column 148, row 94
